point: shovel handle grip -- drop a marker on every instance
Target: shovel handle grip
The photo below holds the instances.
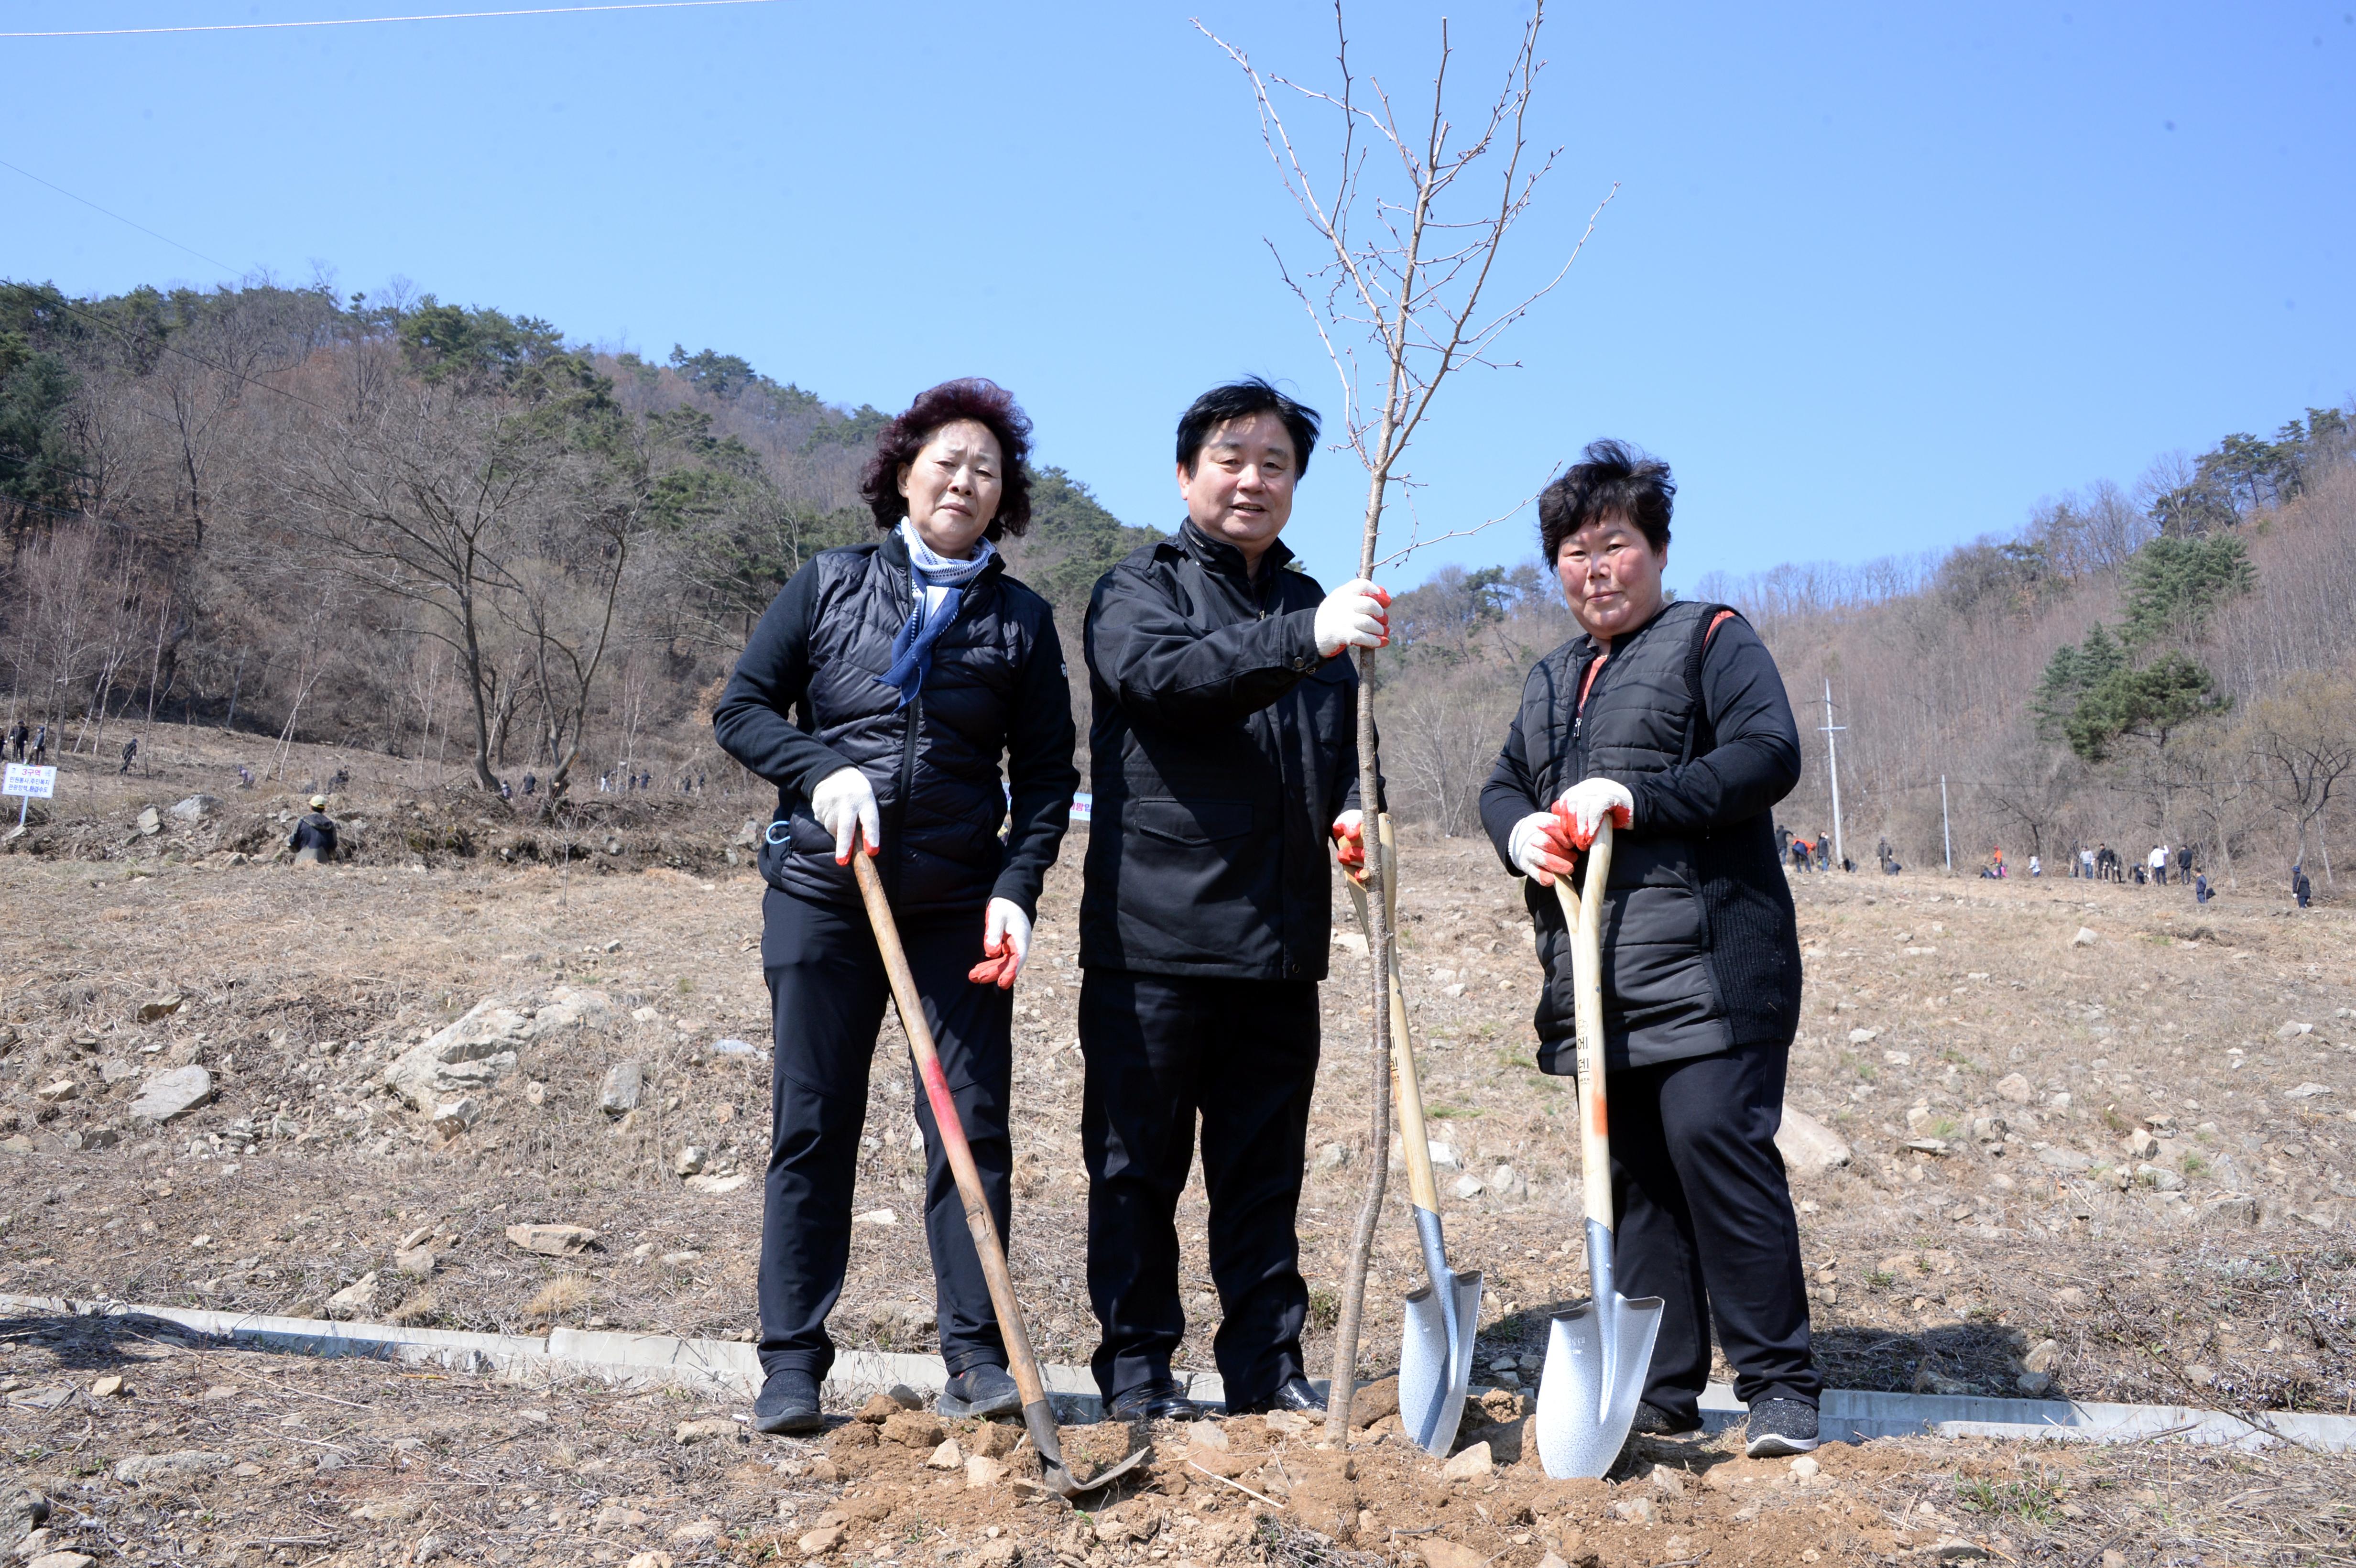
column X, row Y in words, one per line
column 1023, row 1362
column 1584, row 914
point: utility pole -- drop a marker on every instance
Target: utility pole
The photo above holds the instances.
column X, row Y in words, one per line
column 1945, row 837
column 1832, row 751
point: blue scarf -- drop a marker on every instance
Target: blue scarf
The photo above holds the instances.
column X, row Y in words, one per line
column 912, row 650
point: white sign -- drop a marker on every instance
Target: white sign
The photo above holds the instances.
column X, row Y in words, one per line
column 1083, row 806
column 32, row 782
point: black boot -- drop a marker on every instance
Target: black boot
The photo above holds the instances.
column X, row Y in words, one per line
column 788, row 1402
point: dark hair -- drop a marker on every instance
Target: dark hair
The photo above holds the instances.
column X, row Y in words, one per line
column 1615, row 481
column 1241, row 399
column 974, row 397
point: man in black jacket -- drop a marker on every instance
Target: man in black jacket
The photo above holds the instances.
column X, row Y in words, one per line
column 1223, row 751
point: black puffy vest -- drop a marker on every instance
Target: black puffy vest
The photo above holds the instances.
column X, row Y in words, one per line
column 1700, row 953
column 935, row 762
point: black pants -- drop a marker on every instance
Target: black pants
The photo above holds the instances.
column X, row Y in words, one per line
column 1242, row 1054
column 1705, row 1223
column 827, row 995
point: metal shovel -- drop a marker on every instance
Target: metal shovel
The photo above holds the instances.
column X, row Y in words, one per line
column 1436, row 1352
column 1038, row 1415
column 1597, row 1354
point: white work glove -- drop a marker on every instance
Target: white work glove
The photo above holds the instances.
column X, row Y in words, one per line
column 1354, row 615
column 1006, row 938
column 844, row 802
column 1539, row 846
column 1582, row 805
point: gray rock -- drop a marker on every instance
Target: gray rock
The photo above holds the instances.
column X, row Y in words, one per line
column 1467, row 1185
column 151, row 823
column 454, row 1116
column 749, row 835
column 417, row 1262
column 690, row 1161
column 1332, row 1157
column 551, row 1241
column 185, row 1464
column 170, row 1095
column 2084, row 938
column 2061, row 1158
column 162, row 1006
column 1809, row 1147
column 2012, row 1086
column 624, row 1086
column 480, row 1049
column 356, row 1300
column 2159, row 1178
column 2235, row 1210
column 196, row 808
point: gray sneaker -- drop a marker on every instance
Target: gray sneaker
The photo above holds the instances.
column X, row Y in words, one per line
column 1779, row 1428
column 985, row 1389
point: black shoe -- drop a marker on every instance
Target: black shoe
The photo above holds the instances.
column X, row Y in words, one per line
column 1781, row 1426
column 1652, row 1421
column 1296, row 1395
column 985, row 1389
column 1162, row 1400
column 788, row 1402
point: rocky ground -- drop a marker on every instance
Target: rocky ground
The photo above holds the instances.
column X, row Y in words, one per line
column 2082, row 1139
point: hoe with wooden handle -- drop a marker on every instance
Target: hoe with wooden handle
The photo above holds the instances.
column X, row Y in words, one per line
column 1436, row 1352
column 1597, row 1354
column 1038, row 1415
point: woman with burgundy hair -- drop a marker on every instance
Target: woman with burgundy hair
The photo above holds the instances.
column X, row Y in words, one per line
column 880, row 693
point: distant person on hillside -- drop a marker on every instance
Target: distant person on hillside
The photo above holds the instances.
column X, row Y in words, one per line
column 41, row 746
column 2184, row 863
column 1823, row 851
column 314, row 839
column 2200, row 888
column 1685, row 736
column 17, row 734
column 2159, row 864
column 915, row 666
column 1800, row 854
column 2036, row 867
column 245, row 776
column 2086, row 863
column 530, row 783
column 2138, row 869
column 1783, row 841
column 2299, row 887
column 130, row 751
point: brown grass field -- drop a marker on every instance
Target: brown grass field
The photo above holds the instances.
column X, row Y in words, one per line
column 1989, row 1074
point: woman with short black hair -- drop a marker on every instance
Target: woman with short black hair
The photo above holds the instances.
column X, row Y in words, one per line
column 1671, row 717
column 879, row 694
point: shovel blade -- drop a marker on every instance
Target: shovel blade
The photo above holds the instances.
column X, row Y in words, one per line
column 1582, row 1421
column 1433, row 1371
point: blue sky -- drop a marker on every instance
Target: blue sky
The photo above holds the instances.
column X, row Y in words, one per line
column 1878, row 277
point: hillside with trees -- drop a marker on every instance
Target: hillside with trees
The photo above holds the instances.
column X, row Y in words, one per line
column 2175, row 663
column 413, row 528
column 449, row 535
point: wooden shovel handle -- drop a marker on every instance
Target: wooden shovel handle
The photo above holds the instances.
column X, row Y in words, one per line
column 1415, row 1144
column 1585, row 917
column 1023, row 1362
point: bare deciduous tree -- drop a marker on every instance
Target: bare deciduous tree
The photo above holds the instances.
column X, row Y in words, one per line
column 1399, row 293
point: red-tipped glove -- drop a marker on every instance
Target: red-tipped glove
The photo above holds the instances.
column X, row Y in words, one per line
column 1582, row 806
column 1541, row 847
column 1354, row 615
column 1349, row 832
column 1006, row 937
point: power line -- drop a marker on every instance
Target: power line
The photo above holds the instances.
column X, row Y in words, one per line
column 142, row 228
column 372, row 21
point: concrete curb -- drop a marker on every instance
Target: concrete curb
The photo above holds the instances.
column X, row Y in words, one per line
column 731, row 1369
